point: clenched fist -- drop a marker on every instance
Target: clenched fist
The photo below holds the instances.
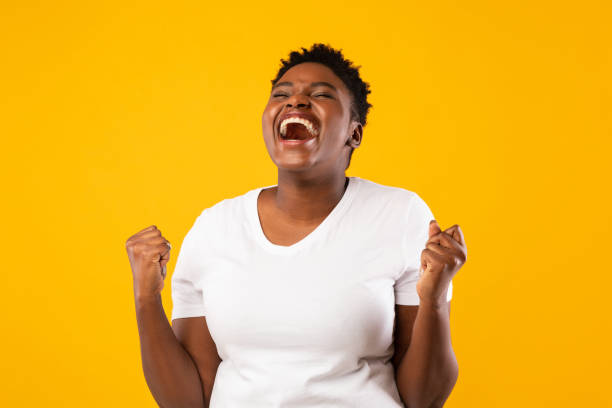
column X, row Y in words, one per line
column 445, row 252
column 149, row 252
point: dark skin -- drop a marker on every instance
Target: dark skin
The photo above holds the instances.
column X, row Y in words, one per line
column 311, row 181
column 311, row 178
column 427, row 370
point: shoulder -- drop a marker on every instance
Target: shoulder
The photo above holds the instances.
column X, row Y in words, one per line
column 390, row 198
column 227, row 212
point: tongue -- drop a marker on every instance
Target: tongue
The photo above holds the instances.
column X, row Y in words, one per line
column 297, row 131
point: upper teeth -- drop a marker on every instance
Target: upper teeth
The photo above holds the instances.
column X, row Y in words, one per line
column 305, row 122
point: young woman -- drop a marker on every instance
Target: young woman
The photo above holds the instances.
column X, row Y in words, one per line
column 320, row 291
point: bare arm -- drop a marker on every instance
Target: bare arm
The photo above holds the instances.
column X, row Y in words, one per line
column 428, row 370
column 169, row 370
column 193, row 334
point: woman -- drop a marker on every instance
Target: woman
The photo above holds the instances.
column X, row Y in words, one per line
column 320, row 291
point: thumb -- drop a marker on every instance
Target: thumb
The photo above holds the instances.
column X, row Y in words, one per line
column 434, row 228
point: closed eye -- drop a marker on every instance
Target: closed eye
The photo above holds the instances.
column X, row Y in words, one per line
column 321, row 94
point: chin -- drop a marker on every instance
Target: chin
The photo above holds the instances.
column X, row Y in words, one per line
column 293, row 163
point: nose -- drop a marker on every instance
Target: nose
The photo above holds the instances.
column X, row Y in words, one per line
column 298, row 100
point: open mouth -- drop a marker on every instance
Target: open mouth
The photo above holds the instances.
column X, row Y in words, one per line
column 295, row 129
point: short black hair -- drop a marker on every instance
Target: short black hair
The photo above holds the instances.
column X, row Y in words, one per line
column 342, row 67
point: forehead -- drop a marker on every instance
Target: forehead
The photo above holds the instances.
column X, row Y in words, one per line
column 308, row 72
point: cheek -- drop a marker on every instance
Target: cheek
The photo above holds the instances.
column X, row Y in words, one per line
column 267, row 127
column 335, row 134
column 267, row 121
column 337, row 119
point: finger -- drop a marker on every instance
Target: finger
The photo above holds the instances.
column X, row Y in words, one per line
column 446, row 254
column 424, row 269
column 429, row 257
column 437, row 248
column 164, row 251
column 453, row 232
column 460, row 238
column 151, row 241
column 149, row 234
column 145, row 230
column 160, row 252
column 142, row 232
column 434, row 228
column 446, row 241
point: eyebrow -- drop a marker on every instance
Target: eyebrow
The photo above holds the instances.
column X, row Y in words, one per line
column 312, row 84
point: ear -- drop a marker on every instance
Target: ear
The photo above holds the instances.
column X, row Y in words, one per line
column 356, row 133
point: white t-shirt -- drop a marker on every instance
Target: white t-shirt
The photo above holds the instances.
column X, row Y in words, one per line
column 311, row 324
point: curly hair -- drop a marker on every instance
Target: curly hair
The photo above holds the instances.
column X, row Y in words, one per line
column 343, row 68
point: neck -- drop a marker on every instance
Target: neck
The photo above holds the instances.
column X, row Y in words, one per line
column 308, row 198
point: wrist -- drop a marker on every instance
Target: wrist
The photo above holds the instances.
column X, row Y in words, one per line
column 433, row 304
column 143, row 299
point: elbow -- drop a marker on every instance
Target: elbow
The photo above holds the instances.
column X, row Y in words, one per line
column 418, row 404
column 432, row 399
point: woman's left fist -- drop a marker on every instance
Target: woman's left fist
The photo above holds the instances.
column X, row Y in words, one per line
column 444, row 254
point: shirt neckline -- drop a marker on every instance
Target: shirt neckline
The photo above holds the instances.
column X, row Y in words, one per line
column 336, row 212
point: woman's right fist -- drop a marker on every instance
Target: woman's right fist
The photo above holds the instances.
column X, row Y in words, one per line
column 149, row 253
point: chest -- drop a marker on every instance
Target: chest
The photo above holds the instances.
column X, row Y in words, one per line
column 339, row 298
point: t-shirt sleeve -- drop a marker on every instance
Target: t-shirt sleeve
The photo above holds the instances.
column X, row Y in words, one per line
column 413, row 243
column 187, row 299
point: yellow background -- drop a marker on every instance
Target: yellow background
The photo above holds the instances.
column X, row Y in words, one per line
column 117, row 116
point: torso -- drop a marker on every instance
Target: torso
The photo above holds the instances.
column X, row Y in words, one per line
column 311, row 317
